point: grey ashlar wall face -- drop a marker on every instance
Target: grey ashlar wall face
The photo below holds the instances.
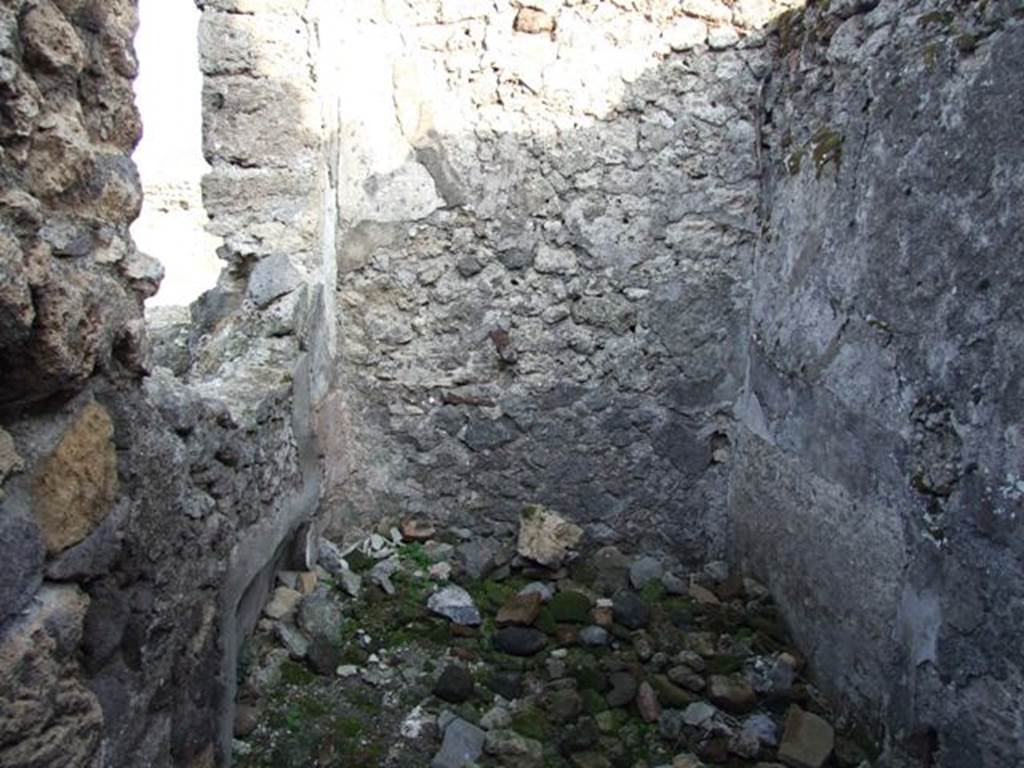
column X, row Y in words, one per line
column 878, row 482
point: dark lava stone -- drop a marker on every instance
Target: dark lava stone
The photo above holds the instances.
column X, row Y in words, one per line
column 579, row 737
column 508, row 685
column 623, row 689
column 519, row 641
column 323, row 655
column 455, row 685
column 629, row 610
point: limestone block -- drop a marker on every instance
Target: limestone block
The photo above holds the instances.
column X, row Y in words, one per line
column 533, row 21
column 259, row 122
column 720, row 38
column 713, row 10
column 685, row 33
column 261, row 45
column 76, row 485
column 257, row 6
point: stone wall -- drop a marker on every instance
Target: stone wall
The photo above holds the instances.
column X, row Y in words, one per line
column 877, row 487
column 136, row 511
column 71, row 280
column 268, row 136
column 637, row 261
column 547, row 221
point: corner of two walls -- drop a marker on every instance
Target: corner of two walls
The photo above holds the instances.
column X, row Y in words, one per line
column 547, row 221
column 270, row 136
column 877, row 484
column 138, row 507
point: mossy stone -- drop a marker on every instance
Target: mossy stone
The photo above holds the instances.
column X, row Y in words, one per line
column 546, row 622
column 359, row 561
column 609, row 721
column 725, row 665
column 583, row 573
column 293, row 673
column 620, row 632
column 590, row 678
column 671, row 695
column 653, row 592
column 593, row 702
column 571, row 607
column 532, row 723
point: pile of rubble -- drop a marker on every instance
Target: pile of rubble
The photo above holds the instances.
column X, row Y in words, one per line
column 422, row 646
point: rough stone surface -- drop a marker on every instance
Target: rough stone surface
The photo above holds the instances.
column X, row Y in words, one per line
column 153, row 501
column 21, row 570
column 10, row 461
column 519, row 641
column 538, row 227
column 320, row 616
column 283, row 603
column 807, row 741
column 623, row 689
column 47, row 714
column 71, row 281
column 520, row 609
column 515, row 749
column 630, row 610
column 463, row 744
column 640, row 262
column 643, row 570
column 546, row 537
column 594, row 636
column 880, row 421
column 76, row 485
column 698, row 714
column 455, row 684
column 455, row 604
column 731, row 693
column 647, row 703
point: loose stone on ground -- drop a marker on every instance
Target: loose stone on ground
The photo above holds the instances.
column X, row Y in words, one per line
column 552, row 660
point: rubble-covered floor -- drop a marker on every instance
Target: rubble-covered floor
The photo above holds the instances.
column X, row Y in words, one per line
column 441, row 648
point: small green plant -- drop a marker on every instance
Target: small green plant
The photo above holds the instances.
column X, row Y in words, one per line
column 795, row 161
column 413, row 553
column 826, row 147
column 653, row 592
column 293, row 673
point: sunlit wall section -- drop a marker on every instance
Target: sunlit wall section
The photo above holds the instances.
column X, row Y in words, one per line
column 170, row 159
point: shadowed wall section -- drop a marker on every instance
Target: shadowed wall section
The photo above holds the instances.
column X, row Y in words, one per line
column 878, row 483
column 547, row 221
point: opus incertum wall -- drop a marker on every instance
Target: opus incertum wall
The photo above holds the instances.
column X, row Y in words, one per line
column 140, row 510
column 547, row 219
column 701, row 286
